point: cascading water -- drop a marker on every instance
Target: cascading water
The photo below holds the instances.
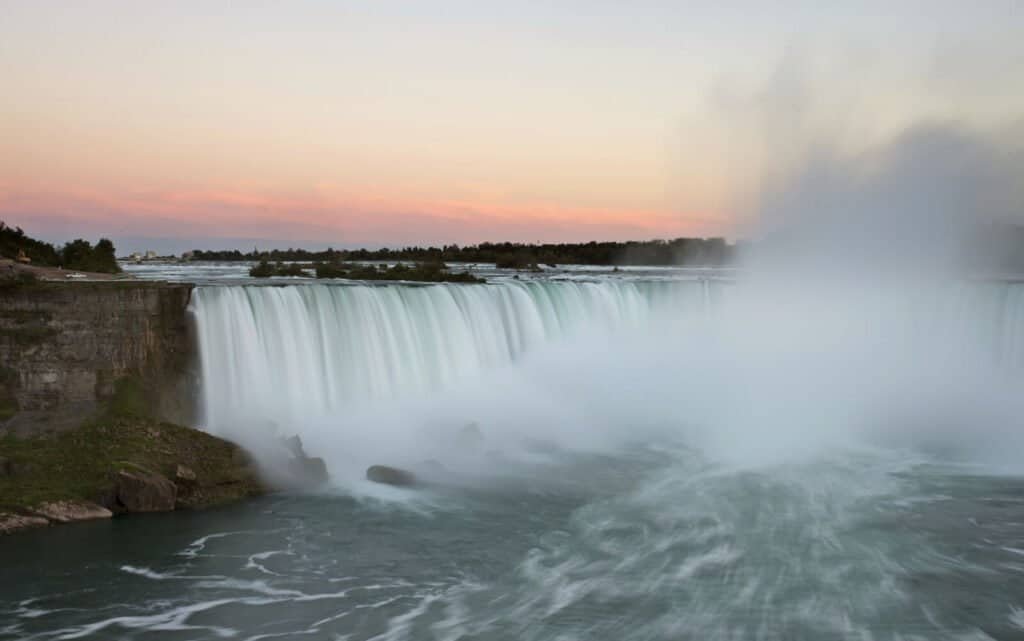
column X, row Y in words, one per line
column 361, row 371
column 772, row 478
column 287, row 353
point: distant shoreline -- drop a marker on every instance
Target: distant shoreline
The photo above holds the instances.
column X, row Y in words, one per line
column 58, row 273
column 705, row 252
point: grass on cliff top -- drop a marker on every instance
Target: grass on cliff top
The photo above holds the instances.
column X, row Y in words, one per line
column 80, row 463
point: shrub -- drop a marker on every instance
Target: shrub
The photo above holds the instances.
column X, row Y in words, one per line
column 81, row 255
column 329, row 270
column 265, row 270
column 427, row 272
column 262, row 270
column 518, row 260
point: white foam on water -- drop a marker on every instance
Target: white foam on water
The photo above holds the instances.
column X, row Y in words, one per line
column 195, row 547
column 1017, row 616
column 253, row 561
column 174, row 619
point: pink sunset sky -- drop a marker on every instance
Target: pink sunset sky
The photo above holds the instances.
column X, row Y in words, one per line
column 393, row 123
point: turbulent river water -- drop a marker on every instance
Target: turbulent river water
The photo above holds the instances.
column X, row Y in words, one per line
column 615, row 458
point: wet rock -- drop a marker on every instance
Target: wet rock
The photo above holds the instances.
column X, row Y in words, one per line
column 69, row 511
column 470, row 436
column 308, row 470
column 240, row 458
column 390, row 475
column 13, row 522
column 184, row 475
column 140, row 490
column 301, row 470
column 294, row 445
column 187, row 484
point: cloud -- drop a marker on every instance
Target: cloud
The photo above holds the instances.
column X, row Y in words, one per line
column 341, row 219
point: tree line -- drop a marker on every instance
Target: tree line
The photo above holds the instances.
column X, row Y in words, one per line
column 426, row 272
column 76, row 255
column 712, row 252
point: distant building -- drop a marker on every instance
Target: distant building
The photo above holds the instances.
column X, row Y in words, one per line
column 22, row 258
column 135, row 257
column 150, row 255
column 187, row 255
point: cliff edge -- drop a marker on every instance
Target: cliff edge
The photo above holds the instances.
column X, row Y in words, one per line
column 95, row 389
column 63, row 346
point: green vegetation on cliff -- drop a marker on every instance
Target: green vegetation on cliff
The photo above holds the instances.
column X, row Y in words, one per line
column 81, row 464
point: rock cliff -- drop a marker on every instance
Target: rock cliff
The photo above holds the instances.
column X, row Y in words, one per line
column 63, row 346
column 95, row 390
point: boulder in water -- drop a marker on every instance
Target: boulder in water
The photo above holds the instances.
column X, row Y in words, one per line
column 140, row 490
column 390, row 475
column 298, row 469
column 308, row 470
column 294, row 445
column 470, row 436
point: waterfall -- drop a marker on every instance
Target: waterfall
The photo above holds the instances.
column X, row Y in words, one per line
column 310, row 349
column 295, row 354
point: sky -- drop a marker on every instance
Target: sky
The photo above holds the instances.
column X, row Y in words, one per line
column 185, row 124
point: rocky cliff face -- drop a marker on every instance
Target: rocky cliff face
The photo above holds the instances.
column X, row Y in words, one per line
column 63, row 346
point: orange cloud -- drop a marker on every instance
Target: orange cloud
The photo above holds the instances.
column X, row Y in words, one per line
column 330, row 215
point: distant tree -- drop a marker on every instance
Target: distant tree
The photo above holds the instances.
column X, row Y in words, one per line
column 518, row 260
column 77, row 254
column 678, row 251
column 105, row 257
column 80, row 255
column 14, row 241
column 266, row 269
column 262, row 270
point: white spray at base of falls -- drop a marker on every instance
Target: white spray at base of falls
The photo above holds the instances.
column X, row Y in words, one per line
column 287, row 353
column 390, row 374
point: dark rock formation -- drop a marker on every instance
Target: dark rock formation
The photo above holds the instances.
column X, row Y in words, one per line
column 12, row 522
column 390, row 475
column 308, row 471
column 124, row 463
column 64, row 345
column 470, row 437
column 141, row 490
column 294, row 445
column 300, row 469
column 88, row 373
column 184, row 476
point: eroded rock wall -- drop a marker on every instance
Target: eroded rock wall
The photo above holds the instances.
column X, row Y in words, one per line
column 64, row 345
